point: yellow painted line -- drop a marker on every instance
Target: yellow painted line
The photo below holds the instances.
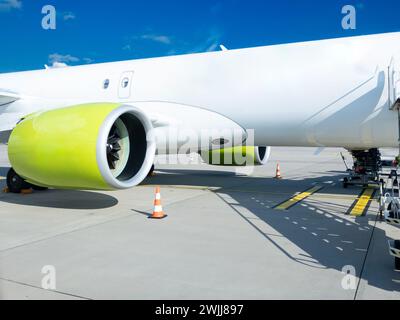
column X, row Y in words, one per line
column 295, row 200
column 313, row 196
column 317, row 196
column 362, row 203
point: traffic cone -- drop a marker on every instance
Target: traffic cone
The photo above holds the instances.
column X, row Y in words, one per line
column 158, row 212
column 26, row 191
column 278, row 172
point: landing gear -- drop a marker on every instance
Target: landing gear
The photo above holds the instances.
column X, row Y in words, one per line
column 367, row 165
column 16, row 184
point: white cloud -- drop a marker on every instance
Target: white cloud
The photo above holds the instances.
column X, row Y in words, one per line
column 210, row 44
column 8, row 5
column 157, row 38
column 88, row 60
column 69, row 16
column 212, row 47
column 176, row 46
column 133, row 41
column 128, row 47
column 56, row 57
column 57, row 65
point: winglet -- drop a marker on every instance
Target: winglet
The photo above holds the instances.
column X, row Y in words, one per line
column 223, row 48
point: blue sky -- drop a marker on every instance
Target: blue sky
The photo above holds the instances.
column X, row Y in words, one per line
column 91, row 31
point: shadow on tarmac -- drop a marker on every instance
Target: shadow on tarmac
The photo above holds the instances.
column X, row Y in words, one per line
column 318, row 226
column 61, row 199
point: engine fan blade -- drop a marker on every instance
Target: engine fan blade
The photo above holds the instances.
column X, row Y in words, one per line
column 113, row 147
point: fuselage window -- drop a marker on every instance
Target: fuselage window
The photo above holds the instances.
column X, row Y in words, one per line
column 106, row 84
column 125, row 83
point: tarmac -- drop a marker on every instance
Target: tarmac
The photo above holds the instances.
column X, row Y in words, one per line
column 228, row 235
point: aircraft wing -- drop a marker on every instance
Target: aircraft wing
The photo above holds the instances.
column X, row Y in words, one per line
column 7, row 97
column 7, row 120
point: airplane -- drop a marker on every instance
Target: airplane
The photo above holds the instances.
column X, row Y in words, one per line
column 100, row 126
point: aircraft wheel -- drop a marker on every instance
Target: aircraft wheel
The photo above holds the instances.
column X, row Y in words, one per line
column 151, row 172
column 15, row 183
column 345, row 183
column 37, row 188
column 397, row 260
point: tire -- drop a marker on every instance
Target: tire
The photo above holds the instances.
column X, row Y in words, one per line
column 151, row 171
column 37, row 188
column 345, row 183
column 397, row 260
column 15, row 183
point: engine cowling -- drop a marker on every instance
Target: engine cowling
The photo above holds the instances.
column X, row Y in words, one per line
column 237, row 156
column 101, row 146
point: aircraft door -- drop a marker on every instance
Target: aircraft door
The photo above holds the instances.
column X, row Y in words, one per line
column 125, row 85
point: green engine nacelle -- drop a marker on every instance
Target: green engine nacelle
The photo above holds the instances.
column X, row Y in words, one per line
column 102, row 146
column 237, row 156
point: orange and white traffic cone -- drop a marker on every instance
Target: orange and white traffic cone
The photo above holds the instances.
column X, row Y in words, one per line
column 26, row 191
column 158, row 212
column 278, row 172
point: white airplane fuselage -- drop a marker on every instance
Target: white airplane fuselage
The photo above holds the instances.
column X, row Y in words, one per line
column 331, row 93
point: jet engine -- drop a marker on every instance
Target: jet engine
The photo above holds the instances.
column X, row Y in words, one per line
column 237, row 156
column 101, row 146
